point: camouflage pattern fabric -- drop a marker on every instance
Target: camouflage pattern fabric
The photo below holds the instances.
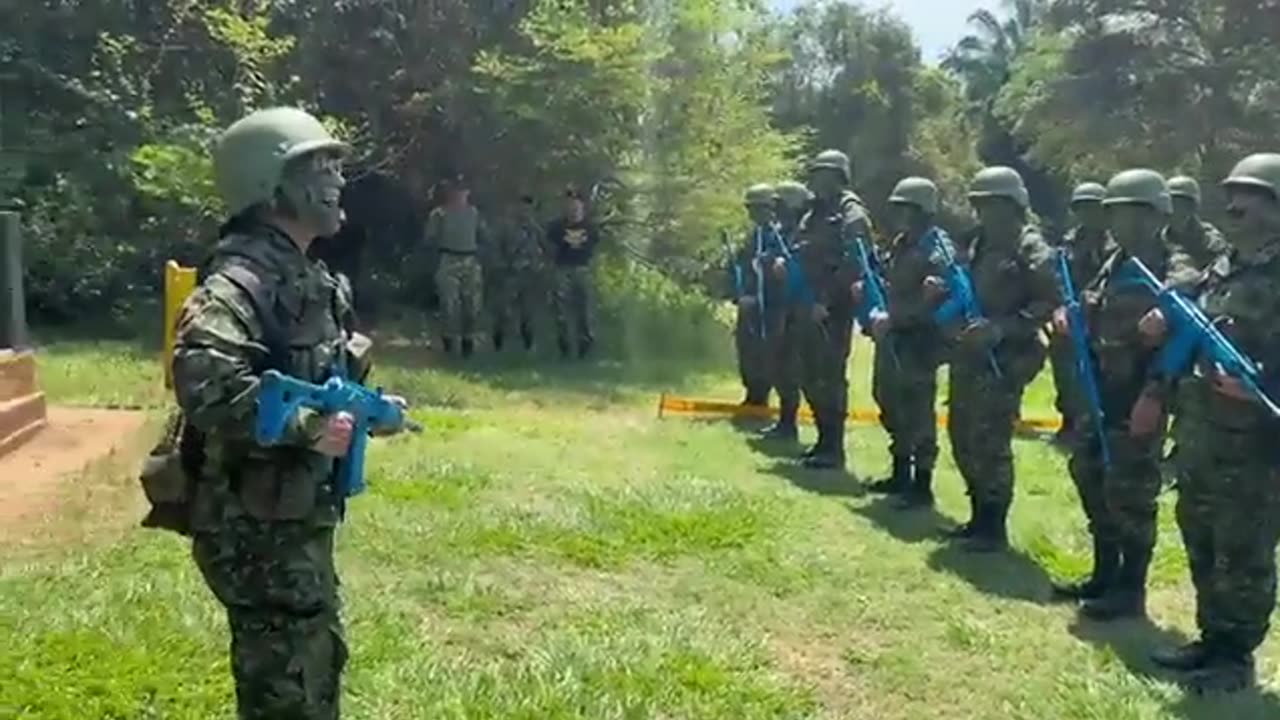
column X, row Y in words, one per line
column 752, row 330
column 263, row 518
column 1202, row 243
column 1120, row 503
column 460, row 283
column 905, row 380
column 1229, row 489
column 574, row 306
column 824, row 345
column 518, row 286
column 1017, row 290
column 1086, row 252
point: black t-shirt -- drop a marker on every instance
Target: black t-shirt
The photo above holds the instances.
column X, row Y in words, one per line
column 572, row 243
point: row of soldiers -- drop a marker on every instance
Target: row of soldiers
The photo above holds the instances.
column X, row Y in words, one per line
column 993, row 309
column 513, row 267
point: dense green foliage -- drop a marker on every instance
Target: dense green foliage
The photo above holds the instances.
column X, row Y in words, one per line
column 109, row 106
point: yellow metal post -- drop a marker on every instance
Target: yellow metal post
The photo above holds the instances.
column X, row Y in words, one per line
column 179, row 283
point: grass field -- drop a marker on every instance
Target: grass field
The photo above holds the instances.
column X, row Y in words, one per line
column 550, row 549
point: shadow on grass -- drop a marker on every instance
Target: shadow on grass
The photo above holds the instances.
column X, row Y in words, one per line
column 912, row 525
column 1010, row 574
column 773, row 448
column 830, row 483
column 1133, row 641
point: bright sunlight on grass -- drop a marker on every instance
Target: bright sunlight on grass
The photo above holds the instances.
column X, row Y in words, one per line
column 550, row 549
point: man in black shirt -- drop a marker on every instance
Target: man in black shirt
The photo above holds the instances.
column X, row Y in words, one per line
column 572, row 240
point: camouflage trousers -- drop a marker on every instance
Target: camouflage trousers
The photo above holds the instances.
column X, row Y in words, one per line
column 905, row 387
column 517, row 296
column 983, row 410
column 574, row 306
column 1069, row 401
column 1229, row 513
column 751, row 339
column 1119, row 502
column 824, row 364
column 278, row 584
column 783, row 350
column 460, row 284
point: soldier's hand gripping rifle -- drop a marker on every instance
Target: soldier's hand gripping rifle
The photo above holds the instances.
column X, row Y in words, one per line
column 1086, row 373
column 1192, row 334
column 961, row 300
column 281, row 396
column 875, row 301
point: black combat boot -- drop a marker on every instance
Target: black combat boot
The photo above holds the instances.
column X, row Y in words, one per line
column 920, row 494
column 1127, row 596
column 526, row 334
column 584, row 347
column 831, row 457
column 565, row 351
column 497, row 340
column 1106, row 560
column 1224, row 672
column 991, row 535
column 899, row 479
column 785, row 429
column 1184, row 658
column 447, row 344
column 467, row 347
column 968, row 528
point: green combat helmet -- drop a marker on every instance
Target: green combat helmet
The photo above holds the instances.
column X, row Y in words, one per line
column 1261, row 170
column 917, row 191
column 1000, row 181
column 1139, row 186
column 794, row 194
column 760, row 194
column 833, row 160
column 1184, row 186
column 250, row 156
column 1088, row 192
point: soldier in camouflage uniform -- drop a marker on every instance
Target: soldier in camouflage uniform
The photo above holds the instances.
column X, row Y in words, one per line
column 909, row 347
column 1120, row 500
column 750, row 267
column 1229, row 490
column 825, row 330
column 263, row 518
column 1199, row 240
column 1087, row 245
column 518, row 275
column 572, row 240
column 1013, row 277
column 784, row 343
column 458, row 234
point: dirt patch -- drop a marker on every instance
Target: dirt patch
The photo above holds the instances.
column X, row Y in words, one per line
column 39, row 473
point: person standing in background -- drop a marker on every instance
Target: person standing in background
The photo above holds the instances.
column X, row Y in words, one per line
column 572, row 240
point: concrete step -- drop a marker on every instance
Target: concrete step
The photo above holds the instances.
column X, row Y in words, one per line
column 17, row 374
column 20, row 419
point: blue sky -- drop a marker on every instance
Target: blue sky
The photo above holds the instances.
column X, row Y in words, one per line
column 937, row 24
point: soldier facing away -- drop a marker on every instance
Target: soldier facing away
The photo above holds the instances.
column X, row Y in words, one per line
column 263, row 518
column 458, row 233
column 751, row 272
column 1087, row 246
column 793, row 200
column 909, row 347
column 1229, row 483
column 518, row 275
column 1120, row 500
column 825, row 332
column 994, row 358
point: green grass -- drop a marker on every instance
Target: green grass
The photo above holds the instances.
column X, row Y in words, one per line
column 550, row 549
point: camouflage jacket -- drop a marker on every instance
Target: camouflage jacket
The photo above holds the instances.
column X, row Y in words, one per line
column 755, row 257
column 1017, row 290
column 1242, row 296
column 224, row 343
column 1086, row 252
column 823, row 248
column 1203, row 244
column 1114, row 309
column 520, row 249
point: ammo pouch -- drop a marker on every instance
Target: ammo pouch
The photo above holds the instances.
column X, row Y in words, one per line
column 169, row 476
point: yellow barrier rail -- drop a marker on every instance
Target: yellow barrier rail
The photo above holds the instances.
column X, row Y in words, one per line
column 673, row 405
column 179, row 283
